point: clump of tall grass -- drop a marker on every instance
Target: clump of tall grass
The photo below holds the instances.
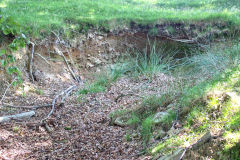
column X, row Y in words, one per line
column 148, row 62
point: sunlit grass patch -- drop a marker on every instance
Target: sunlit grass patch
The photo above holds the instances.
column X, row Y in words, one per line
column 44, row 16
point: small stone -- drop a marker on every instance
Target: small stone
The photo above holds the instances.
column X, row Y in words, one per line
column 158, row 117
column 170, row 106
column 95, row 60
column 89, row 65
column 174, row 156
column 160, row 134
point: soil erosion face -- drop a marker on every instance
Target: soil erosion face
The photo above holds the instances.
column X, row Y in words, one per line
column 80, row 129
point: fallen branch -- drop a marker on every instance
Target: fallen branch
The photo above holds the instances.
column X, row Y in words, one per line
column 71, row 60
column 124, row 95
column 43, row 58
column 65, row 92
column 59, row 52
column 17, row 116
column 7, row 89
column 205, row 138
column 31, row 61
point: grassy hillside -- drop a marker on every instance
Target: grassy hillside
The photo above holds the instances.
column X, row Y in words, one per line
column 72, row 14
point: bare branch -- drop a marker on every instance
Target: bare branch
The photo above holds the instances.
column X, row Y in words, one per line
column 17, row 116
column 43, row 58
column 65, row 92
column 59, row 52
column 7, row 89
column 31, row 61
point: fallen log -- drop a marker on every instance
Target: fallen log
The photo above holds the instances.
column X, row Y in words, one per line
column 17, row 116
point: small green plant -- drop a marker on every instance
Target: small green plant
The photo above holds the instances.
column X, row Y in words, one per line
column 169, row 118
column 99, row 85
column 134, row 120
column 68, row 128
column 237, row 84
column 15, row 129
column 118, row 113
column 10, row 28
column 153, row 32
column 127, row 137
column 39, row 91
column 146, row 131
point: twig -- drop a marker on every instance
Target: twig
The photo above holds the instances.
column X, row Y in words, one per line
column 7, row 89
column 67, row 94
column 55, row 99
column 128, row 94
column 56, row 36
column 59, row 52
column 206, row 137
column 71, row 60
column 43, row 58
column 31, row 61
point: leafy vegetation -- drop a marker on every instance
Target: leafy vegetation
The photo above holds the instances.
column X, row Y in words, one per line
column 44, row 16
column 10, row 28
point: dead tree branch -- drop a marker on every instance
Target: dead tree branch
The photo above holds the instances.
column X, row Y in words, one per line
column 31, row 61
column 17, row 116
column 63, row 93
column 43, row 58
column 59, row 52
column 7, row 89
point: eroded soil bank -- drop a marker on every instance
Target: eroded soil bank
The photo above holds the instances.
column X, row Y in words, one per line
column 81, row 128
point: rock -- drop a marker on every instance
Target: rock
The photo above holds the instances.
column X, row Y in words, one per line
column 175, row 156
column 170, row 106
column 118, row 121
column 160, row 134
column 205, row 138
column 158, row 117
column 95, row 60
column 89, row 65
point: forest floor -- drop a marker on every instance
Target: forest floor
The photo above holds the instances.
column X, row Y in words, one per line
column 81, row 129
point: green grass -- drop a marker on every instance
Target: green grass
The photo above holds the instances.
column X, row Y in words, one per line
column 210, row 112
column 99, row 85
column 80, row 15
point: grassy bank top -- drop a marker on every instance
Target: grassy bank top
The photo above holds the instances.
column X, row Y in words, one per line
column 45, row 15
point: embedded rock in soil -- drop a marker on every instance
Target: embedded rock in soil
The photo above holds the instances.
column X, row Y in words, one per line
column 158, row 117
column 160, row 134
column 175, row 156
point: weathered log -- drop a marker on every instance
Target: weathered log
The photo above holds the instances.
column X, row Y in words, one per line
column 17, row 116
